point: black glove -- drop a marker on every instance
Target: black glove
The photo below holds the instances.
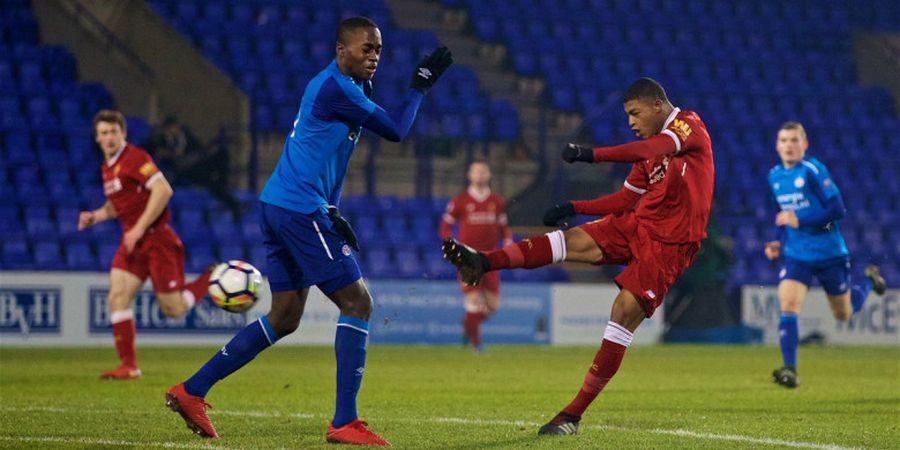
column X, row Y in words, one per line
column 343, row 227
column 574, row 152
column 559, row 215
column 430, row 69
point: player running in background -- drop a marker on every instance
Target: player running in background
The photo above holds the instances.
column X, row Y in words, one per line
column 481, row 215
column 654, row 225
column 307, row 241
column 138, row 195
column 813, row 246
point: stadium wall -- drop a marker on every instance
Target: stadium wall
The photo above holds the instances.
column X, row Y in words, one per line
column 69, row 309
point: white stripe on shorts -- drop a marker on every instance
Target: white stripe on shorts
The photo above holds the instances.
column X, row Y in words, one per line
column 322, row 238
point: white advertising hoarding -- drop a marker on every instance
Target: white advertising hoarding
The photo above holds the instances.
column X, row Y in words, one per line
column 579, row 314
column 878, row 323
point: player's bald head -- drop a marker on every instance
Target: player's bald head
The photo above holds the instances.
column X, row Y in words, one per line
column 646, row 89
column 350, row 26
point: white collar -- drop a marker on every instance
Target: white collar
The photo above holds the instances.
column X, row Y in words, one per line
column 479, row 196
column 670, row 118
column 111, row 161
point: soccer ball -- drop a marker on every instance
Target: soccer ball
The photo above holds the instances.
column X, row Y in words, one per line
column 234, row 285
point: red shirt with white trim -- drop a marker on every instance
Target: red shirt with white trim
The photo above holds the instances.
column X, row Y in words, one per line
column 671, row 180
column 481, row 217
column 127, row 178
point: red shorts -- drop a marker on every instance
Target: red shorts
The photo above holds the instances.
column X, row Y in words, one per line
column 653, row 266
column 490, row 282
column 159, row 255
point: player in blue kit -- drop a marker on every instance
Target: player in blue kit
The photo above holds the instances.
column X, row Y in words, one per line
column 307, row 241
column 813, row 246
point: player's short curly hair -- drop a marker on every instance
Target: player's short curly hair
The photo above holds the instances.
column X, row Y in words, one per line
column 109, row 116
column 646, row 88
column 350, row 25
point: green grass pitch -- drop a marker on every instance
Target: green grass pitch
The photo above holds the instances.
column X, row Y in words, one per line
column 667, row 396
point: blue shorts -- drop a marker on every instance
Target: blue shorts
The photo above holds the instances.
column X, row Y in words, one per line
column 303, row 250
column 833, row 273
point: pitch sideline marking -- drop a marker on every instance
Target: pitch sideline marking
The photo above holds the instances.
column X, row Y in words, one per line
column 464, row 421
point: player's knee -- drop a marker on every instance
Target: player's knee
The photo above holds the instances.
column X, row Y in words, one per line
column 173, row 309
column 359, row 306
column 842, row 314
column 285, row 322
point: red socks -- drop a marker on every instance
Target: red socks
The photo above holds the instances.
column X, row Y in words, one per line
column 528, row 254
column 123, row 335
column 472, row 326
column 199, row 286
column 606, row 364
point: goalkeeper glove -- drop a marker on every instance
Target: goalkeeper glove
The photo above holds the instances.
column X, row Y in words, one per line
column 430, row 69
column 574, row 152
column 342, row 227
column 559, row 215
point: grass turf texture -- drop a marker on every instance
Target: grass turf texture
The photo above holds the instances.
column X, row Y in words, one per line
column 669, row 396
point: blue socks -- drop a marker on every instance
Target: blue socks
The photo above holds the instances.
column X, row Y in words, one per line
column 350, row 351
column 789, row 331
column 859, row 293
column 243, row 347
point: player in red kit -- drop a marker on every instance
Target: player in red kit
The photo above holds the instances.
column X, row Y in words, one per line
column 654, row 225
column 137, row 194
column 481, row 215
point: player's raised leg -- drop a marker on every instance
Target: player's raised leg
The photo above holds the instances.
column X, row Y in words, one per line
column 626, row 315
column 571, row 245
column 188, row 398
column 178, row 302
column 123, row 286
column 350, row 342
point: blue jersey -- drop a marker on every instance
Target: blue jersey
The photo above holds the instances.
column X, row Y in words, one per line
column 806, row 188
column 313, row 163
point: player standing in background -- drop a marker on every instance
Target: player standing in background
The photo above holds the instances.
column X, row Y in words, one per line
column 654, row 225
column 307, row 241
column 138, row 195
column 811, row 205
column 481, row 215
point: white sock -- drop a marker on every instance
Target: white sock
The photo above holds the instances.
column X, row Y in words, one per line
column 189, row 299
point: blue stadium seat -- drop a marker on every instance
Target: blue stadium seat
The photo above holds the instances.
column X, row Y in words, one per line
column 47, row 255
column 80, row 257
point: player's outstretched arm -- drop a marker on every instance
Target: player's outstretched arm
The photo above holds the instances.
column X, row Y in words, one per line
column 574, row 152
column 395, row 127
column 89, row 218
column 660, row 144
column 624, row 200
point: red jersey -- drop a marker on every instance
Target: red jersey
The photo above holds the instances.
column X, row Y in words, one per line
column 676, row 188
column 482, row 219
column 127, row 177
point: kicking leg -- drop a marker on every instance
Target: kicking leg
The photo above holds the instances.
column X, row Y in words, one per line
column 572, row 245
column 123, row 286
column 188, row 398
